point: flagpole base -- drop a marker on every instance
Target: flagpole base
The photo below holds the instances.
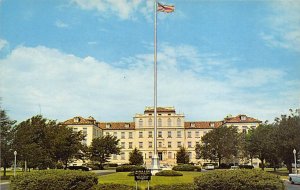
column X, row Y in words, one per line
column 155, row 165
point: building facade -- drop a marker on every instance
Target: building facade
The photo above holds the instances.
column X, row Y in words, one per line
column 173, row 132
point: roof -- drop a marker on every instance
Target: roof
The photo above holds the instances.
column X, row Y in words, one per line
column 160, row 109
column 241, row 119
column 202, row 124
column 78, row 120
column 117, row 125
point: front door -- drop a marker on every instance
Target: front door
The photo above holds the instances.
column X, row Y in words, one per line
column 160, row 155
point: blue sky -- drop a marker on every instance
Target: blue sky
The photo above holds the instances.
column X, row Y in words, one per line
column 95, row 57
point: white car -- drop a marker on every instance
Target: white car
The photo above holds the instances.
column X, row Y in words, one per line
column 294, row 178
column 209, row 167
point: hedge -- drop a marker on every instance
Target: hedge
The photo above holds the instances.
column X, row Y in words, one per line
column 53, row 180
column 168, row 173
column 129, row 168
column 112, row 186
column 179, row 186
column 186, row 167
column 238, row 179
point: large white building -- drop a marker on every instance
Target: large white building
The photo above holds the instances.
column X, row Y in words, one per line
column 173, row 132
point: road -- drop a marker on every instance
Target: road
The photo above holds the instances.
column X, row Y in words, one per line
column 289, row 186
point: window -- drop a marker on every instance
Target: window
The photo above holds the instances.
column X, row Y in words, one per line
column 189, row 134
column 122, row 135
column 170, row 155
column 115, row 134
column 122, row 144
column 192, row 124
column 212, row 125
column 76, row 119
column 127, row 125
column 140, row 134
column 245, row 129
column 150, row 122
column 169, row 122
column 130, row 145
column 179, row 144
column 178, row 134
column 140, row 123
column 108, row 125
column 150, row 144
column 178, row 122
column 189, row 144
column 169, row 144
column 160, row 144
column 159, row 122
column 130, row 135
column 75, row 129
column 160, row 134
column 150, row 154
column 190, row 155
column 243, row 117
column 122, row 155
column 197, row 133
column 150, row 134
column 169, row 134
column 84, row 131
column 140, row 144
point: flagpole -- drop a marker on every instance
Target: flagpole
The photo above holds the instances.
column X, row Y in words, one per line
column 155, row 160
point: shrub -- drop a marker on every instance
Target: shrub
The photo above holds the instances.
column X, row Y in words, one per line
column 238, row 179
column 180, row 186
column 53, row 180
column 129, row 168
column 168, row 173
column 112, row 186
column 112, row 165
column 246, row 166
column 184, row 167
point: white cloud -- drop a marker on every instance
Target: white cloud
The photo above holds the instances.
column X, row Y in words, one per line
column 3, row 44
column 122, row 8
column 284, row 23
column 61, row 24
column 65, row 86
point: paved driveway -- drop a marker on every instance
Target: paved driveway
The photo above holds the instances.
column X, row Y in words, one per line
column 289, row 186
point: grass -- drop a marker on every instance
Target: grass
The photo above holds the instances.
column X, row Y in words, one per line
column 282, row 172
column 122, row 178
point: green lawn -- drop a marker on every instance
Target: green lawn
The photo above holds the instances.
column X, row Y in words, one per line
column 282, row 172
column 122, row 178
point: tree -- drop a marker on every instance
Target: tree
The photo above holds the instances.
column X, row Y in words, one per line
column 136, row 157
column 41, row 142
column 7, row 136
column 198, row 151
column 260, row 143
column 220, row 143
column 182, row 156
column 102, row 147
column 288, row 137
column 67, row 144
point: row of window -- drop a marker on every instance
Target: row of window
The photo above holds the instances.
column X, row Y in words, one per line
column 159, row 134
column 159, row 122
column 170, row 155
column 160, row 144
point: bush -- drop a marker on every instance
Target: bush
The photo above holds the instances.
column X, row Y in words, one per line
column 129, row 168
column 168, row 173
column 238, row 179
column 246, row 166
column 224, row 166
column 112, row 186
column 184, row 167
column 112, row 165
column 53, row 180
column 180, row 186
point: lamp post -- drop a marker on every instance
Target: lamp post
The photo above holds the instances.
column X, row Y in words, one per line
column 294, row 151
column 15, row 164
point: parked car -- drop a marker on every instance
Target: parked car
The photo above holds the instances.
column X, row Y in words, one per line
column 294, row 178
column 83, row 168
column 209, row 167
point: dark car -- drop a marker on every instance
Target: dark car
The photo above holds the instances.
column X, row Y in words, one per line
column 83, row 168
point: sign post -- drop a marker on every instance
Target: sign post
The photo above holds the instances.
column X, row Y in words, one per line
column 140, row 175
